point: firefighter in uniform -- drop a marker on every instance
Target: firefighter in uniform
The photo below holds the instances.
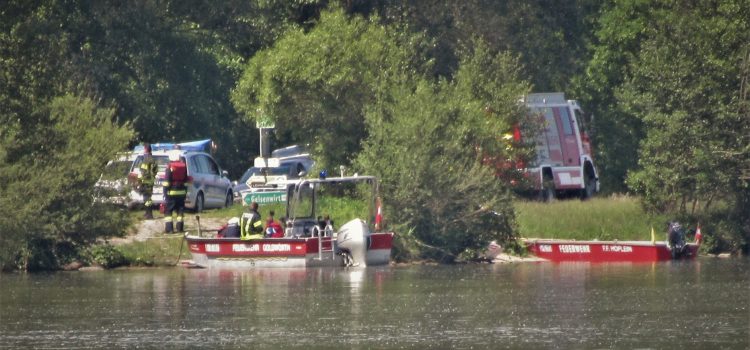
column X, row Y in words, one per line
column 146, row 176
column 251, row 226
column 175, row 191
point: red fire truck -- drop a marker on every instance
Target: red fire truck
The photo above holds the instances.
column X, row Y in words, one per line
column 564, row 163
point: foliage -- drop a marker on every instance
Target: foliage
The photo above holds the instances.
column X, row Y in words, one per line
column 549, row 37
column 619, row 30
column 47, row 175
column 685, row 86
column 440, row 198
column 107, row 256
column 314, row 85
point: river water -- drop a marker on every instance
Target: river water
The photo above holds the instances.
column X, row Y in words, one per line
column 671, row 305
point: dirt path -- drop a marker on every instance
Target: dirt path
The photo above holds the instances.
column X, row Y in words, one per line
column 147, row 229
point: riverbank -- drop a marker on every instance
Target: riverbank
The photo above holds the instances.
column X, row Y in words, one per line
column 601, row 218
column 147, row 244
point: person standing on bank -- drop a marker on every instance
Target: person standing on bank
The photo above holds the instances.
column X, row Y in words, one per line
column 146, row 176
column 175, row 191
column 251, row 226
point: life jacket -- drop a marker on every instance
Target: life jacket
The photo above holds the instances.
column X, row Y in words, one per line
column 274, row 230
column 179, row 173
column 175, row 180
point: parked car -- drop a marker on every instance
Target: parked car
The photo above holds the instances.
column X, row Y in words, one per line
column 211, row 187
column 113, row 186
column 290, row 162
column 295, row 156
column 255, row 178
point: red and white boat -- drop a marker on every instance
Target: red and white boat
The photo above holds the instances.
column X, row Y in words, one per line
column 611, row 251
column 307, row 242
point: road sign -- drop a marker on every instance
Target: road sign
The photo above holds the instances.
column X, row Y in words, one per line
column 265, row 197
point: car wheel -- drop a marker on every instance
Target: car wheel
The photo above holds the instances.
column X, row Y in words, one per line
column 229, row 201
column 199, row 202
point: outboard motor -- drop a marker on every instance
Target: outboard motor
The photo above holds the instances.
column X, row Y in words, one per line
column 352, row 241
column 676, row 236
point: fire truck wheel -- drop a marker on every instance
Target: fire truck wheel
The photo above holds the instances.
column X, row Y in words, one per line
column 589, row 188
column 547, row 194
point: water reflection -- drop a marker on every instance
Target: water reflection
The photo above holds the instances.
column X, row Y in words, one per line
column 540, row 305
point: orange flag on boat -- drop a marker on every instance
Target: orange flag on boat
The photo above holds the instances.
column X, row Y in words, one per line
column 698, row 235
column 378, row 214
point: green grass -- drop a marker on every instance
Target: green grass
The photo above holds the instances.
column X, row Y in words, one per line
column 603, row 218
column 158, row 251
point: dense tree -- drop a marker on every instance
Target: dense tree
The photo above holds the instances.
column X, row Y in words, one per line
column 619, row 31
column 314, row 85
column 685, row 86
column 549, row 36
column 443, row 201
column 47, row 178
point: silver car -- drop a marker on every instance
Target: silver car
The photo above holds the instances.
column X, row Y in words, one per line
column 113, row 185
column 211, row 187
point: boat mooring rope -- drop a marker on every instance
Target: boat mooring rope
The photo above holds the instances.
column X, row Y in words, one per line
column 179, row 256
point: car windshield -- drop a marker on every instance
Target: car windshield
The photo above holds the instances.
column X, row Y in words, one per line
column 255, row 171
column 161, row 162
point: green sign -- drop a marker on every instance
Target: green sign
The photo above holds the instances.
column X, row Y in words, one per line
column 265, row 197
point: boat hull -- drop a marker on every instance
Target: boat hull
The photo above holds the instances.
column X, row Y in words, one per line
column 605, row 251
column 283, row 252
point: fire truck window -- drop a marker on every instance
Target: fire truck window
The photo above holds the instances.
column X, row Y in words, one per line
column 565, row 118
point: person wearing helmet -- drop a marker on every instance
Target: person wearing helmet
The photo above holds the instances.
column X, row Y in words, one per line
column 231, row 229
column 251, row 225
column 175, row 191
column 146, row 176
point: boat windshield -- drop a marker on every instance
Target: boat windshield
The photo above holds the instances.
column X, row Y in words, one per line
column 339, row 201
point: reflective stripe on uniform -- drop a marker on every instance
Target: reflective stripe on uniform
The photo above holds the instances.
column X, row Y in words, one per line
column 177, row 192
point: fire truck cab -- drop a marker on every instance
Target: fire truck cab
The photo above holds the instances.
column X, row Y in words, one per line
column 564, row 163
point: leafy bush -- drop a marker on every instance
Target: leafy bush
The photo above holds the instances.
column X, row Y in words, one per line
column 107, row 256
column 424, row 145
column 64, row 151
